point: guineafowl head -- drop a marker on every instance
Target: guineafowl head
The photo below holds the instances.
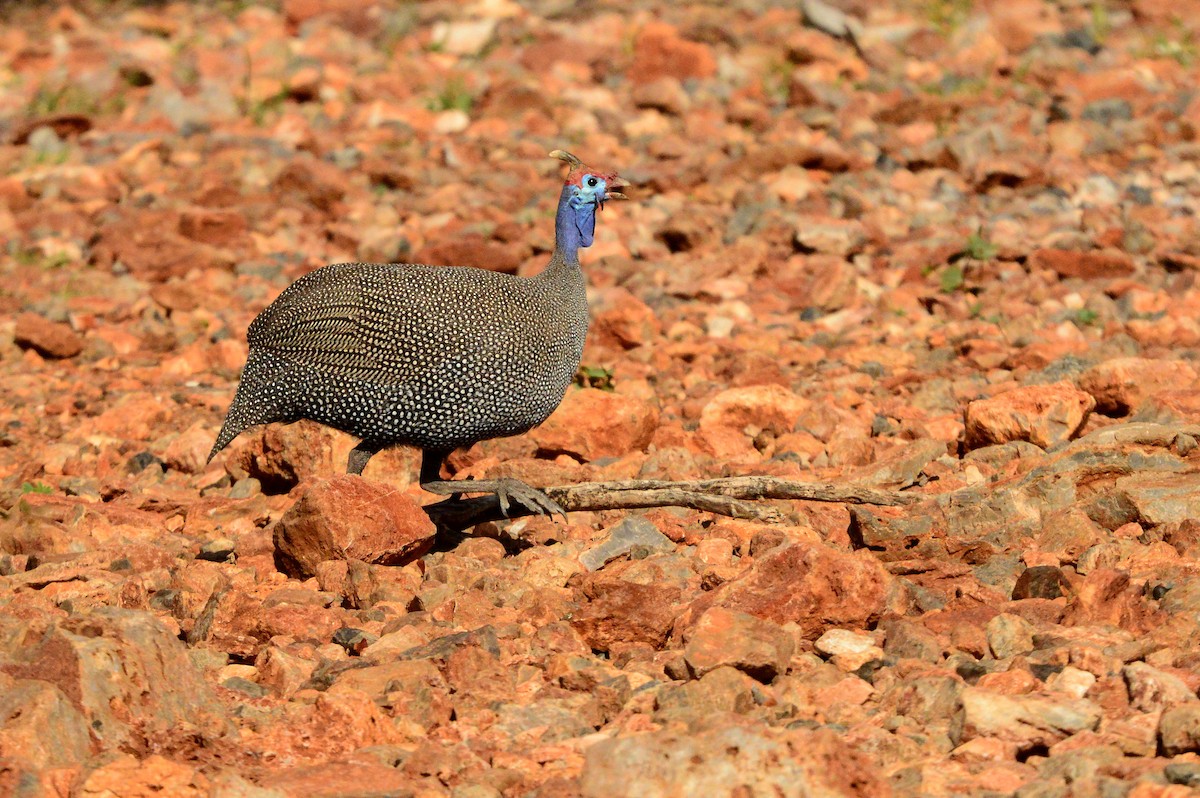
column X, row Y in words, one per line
column 585, row 191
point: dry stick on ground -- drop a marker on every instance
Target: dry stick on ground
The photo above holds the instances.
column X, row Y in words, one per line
column 731, row 496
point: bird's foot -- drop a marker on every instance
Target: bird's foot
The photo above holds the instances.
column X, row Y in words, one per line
column 507, row 490
column 515, row 490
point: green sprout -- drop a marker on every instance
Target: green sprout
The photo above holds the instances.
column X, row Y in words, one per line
column 594, row 377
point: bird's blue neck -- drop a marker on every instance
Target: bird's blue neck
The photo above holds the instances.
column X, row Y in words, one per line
column 574, row 226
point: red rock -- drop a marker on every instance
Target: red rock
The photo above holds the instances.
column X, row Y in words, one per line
column 591, row 424
column 1018, row 25
column 1027, row 721
column 723, row 690
column 148, row 246
column 319, row 183
column 848, row 650
column 1044, row 415
column 145, row 778
column 1149, row 789
column 133, row 417
column 815, row 281
column 353, row 580
column 1122, row 385
column 548, row 50
column 616, row 611
column 759, row 407
column 282, row 672
column 665, row 94
column 812, row 585
column 352, row 720
column 1183, row 536
column 334, row 779
column 723, row 637
column 475, row 250
column 732, row 760
column 659, row 51
column 14, row 195
column 188, row 451
column 839, row 237
column 39, row 727
column 1152, row 689
column 1174, row 406
column 175, row 296
column 48, row 338
column 310, row 623
column 129, row 675
column 1179, row 729
column 348, row 517
column 218, row 228
column 1088, row 265
column 282, row 456
column 1107, row 596
column 379, row 680
column 1011, row 682
column 620, row 320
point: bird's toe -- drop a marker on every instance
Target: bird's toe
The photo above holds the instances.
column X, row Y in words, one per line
column 532, row 498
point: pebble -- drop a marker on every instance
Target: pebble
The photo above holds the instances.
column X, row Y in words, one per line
column 48, row 338
column 635, row 531
column 218, row 550
column 848, row 650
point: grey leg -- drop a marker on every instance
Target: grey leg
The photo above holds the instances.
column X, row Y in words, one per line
column 359, row 456
column 507, row 490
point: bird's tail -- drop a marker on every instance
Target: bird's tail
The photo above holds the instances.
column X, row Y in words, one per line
column 255, row 402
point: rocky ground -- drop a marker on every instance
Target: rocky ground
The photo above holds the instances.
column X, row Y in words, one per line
column 937, row 246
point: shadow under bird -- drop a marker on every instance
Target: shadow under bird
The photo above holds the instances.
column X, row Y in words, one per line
column 437, row 357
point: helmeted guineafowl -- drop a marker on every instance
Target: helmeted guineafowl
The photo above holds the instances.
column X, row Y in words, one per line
column 429, row 356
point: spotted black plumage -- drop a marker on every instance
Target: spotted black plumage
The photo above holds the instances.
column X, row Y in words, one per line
column 433, row 357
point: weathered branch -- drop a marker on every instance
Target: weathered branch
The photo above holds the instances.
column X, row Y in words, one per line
column 730, row 496
column 754, row 487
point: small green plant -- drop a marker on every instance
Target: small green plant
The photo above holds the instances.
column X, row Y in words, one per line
column 1101, row 23
column 947, row 15
column 454, row 96
column 35, row 258
column 52, row 158
column 594, row 377
column 951, row 278
column 979, row 248
column 65, row 98
column 257, row 109
column 397, row 24
column 777, row 80
column 232, row 8
column 35, row 487
column 260, row 108
column 1181, row 47
column 1086, row 317
column 958, row 85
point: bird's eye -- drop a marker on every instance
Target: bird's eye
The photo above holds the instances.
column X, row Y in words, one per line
column 591, row 181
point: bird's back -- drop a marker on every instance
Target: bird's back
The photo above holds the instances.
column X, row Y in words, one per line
column 435, row 356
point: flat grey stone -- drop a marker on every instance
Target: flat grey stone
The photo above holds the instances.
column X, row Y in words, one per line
column 633, row 532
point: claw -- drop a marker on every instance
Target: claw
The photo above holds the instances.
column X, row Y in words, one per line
column 506, row 491
column 532, row 498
